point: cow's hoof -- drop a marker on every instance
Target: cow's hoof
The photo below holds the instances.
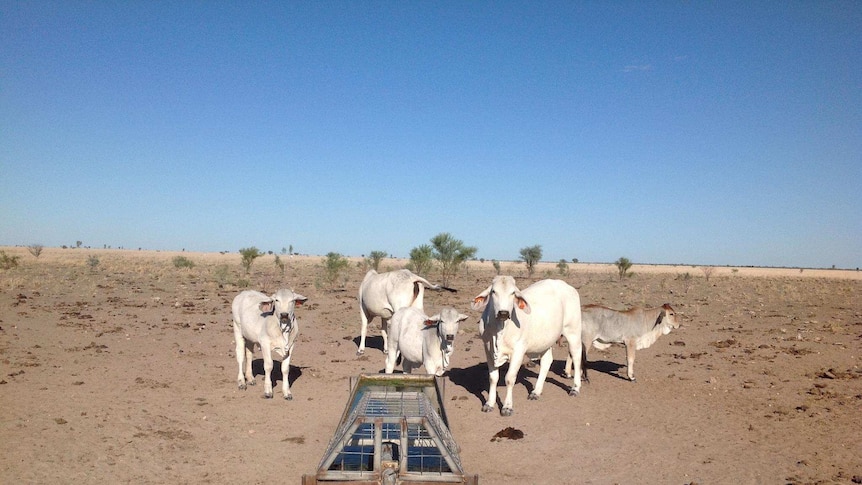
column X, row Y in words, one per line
column 267, row 395
column 567, row 375
column 487, row 408
column 251, row 382
column 288, row 397
column 241, row 385
column 632, row 379
column 574, row 392
column 360, row 352
column 506, row 412
column 533, row 396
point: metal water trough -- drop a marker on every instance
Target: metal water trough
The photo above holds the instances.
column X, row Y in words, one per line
column 393, row 431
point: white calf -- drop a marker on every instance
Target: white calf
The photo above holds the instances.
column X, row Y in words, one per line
column 269, row 321
column 422, row 339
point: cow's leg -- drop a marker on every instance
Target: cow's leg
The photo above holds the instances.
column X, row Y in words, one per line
column 240, row 356
column 630, row 359
column 363, row 330
column 576, row 350
column 407, row 366
column 384, row 327
column 391, row 359
column 511, row 377
column 285, row 371
column 249, row 356
column 584, row 361
column 493, row 378
column 544, row 367
column 266, row 350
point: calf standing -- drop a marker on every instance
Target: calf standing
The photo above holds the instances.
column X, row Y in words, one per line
column 636, row 328
column 269, row 321
column 422, row 339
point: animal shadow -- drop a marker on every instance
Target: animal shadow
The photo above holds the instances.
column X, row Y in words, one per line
column 294, row 373
column 609, row 368
column 371, row 342
column 473, row 379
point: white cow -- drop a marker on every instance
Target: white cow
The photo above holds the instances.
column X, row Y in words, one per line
column 382, row 294
column 422, row 339
column 517, row 323
column 269, row 321
column 637, row 328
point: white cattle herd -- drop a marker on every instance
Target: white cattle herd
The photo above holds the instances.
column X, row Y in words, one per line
column 515, row 325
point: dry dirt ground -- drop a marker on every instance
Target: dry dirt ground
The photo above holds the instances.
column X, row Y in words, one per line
column 124, row 372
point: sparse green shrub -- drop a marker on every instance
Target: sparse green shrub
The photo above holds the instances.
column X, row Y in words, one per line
column 451, row 253
column 421, row 259
column 333, row 265
column 496, row 265
column 686, row 281
column 183, row 262
column 279, row 263
column 93, row 261
column 374, row 258
column 623, row 266
column 248, row 257
column 8, row 262
column 563, row 267
column 221, row 273
column 531, row 255
column 243, row 283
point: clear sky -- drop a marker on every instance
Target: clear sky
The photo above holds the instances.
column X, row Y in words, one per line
column 667, row 132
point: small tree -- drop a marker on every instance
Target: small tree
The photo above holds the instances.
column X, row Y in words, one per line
column 623, row 266
column 279, row 263
column 78, row 244
column 35, row 249
column 374, row 258
column 248, row 257
column 563, row 267
column 450, row 253
column 496, row 265
column 421, row 259
column 333, row 265
column 93, row 261
column 531, row 255
column 708, row 270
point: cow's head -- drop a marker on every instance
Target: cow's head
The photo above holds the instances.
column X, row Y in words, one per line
column 503, row 296
column 447, row 322
column 282, row 304
column 667, row 319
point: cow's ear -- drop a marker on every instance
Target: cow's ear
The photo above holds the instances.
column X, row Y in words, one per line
column 523, row 305
column 461, row 317
column 431, row 321
column 480, row 301
column 266, row 306
column 299, row 299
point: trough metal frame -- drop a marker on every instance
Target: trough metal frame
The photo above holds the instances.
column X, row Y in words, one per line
column 398, row 405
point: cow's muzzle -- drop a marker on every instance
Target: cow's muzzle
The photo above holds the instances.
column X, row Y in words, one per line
column 450, row 338
column 503, row 315
column 285, row 320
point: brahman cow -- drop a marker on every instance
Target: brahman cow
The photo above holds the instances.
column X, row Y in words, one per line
column 269, row 321
column 422, row 339
column 637, row 328
column 518, row 323
column 382, row 294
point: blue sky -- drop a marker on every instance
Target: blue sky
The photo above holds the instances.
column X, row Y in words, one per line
column 665, row 132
